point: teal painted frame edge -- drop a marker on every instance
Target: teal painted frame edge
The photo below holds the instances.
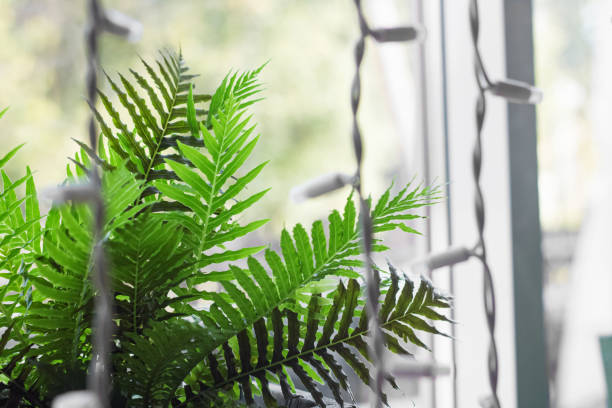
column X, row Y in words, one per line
column 605, row 343
column 530, row 340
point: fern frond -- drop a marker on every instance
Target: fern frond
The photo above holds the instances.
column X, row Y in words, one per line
column 305, row 260
column 301, row 268
column 148, row 261
column 20, row 236
column 19, row 233
column 312, row 342
column 175, row 184
column 188, row 180
column 152, row 363
column 59, row 317
column 207, row 189
column 242, row 87
column 156, row 129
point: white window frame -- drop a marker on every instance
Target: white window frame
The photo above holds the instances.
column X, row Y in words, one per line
column 509, row 180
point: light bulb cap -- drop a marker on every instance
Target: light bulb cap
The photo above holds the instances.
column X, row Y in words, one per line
column 77, row 193
column 517, row 91
column 319, row 186
column 115, row 22
column 449, row 257
column 398, row 34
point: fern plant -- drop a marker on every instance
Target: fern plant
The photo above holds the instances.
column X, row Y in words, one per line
column 175, row 186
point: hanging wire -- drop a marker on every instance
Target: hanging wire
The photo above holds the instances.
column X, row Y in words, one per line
column 483, row 83
column 99, row 20
column 512, row 91
column 372, row 284
column 99, row 370
column 330, row 182
column 99, row 373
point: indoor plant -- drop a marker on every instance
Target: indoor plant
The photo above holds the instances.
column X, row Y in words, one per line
column 174, row 185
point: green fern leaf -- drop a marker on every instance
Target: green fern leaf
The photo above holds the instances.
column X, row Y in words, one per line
column 175, row 183
column 298, row 270
column 158, row 128
column 205, row 186
column 153, row 362
column 308, row 348
column 59, row 317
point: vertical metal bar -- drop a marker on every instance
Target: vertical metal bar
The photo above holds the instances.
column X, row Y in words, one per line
column 422, row 74
column 449, row 219
column 531, row 362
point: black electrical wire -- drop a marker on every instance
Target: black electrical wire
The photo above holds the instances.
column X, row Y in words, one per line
column 372, row 284
column 99, row 370
column 483, row 83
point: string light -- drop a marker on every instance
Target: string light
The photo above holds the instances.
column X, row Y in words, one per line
column 449, row 257
column 319, row 186
column 516, row 91
column 98, row 381
column 115, row 22
column 513, row 91
column 334, row 181
column 398, row 34
column 77, row 193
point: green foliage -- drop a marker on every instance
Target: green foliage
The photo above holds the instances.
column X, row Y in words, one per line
column 317, row 336
column 175, row 187
column 156, row 131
